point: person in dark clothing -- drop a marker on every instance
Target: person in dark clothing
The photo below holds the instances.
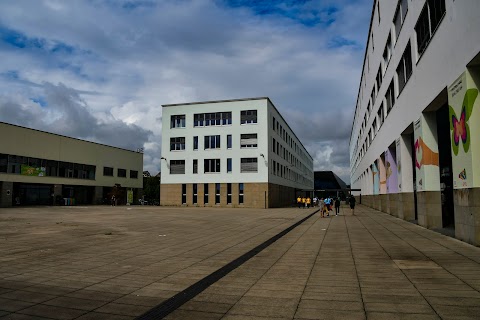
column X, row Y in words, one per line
column 352, row 204
column 337, row 206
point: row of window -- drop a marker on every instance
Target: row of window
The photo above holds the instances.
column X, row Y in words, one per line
column 31, row 166
column 206, row 194
column 247, row 165
column 428, row 21
column 213, row 119
column 121, row 173
column 285, row 136
column 247, row 140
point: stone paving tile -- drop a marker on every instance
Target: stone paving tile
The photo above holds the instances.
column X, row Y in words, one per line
column 27, row 296
column 123, row 309
column 17, row 316
column 75, row 303
column 52, row 312
column 14, row 305
column 400, row 316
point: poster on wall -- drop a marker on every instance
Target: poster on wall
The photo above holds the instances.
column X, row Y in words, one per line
column 399, row 165
column 461, row 100
column 129, row 196
column 426, row 153
column 391, row 170
column 32, row 171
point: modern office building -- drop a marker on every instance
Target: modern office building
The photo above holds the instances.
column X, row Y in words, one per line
column 231, row 153
column 415, row 140
column 41, row 168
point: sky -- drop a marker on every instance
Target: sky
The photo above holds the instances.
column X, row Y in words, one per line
column 100, row 70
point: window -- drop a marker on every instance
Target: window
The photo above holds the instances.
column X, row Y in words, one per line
column 195, row 193
column 248, row 116
column 399, row 17
column 211, row 165
column 229, row 141
column 212, row 142
column 212, row 119
column 177, row 121
column 133, row 174
column 428, row 22
column 177, row 143
column 3, row 162
column 195, row 166
column 373, row 96
column 217, row 193
column 273, row 143
column 229, row 193
column 390, row 97
column 248, row 140
column 184, row 193
column 121, row 173
column 381, row 115
column 195, row 143
column 107, row 171
column 379, row 78
column 404, row 69
column 205, row 193
column 387, row 53
column 248, row 165
column 240, row 193
column 374, row 126
column 177, row 166
column 229, row 165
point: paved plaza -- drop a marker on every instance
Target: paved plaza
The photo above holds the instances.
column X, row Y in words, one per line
column 123, row 262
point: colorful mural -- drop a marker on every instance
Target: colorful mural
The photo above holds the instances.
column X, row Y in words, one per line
column 426, row 153
column 376, row 178
column 462, row 96
column 391, row 170
column 398, row 154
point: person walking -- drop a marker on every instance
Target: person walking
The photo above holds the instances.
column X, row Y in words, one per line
column 352, row 204
column 308, row 202
column 321, row 204
column 304, row 202
column 299, row 202
column 337, row 206
column 327, row 205
column 113, row 201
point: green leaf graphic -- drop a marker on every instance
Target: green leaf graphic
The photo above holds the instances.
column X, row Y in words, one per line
column 468, row 101
column 466, row 145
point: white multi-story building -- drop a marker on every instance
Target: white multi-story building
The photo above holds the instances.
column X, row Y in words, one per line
column 415, row 138
column 231, row 153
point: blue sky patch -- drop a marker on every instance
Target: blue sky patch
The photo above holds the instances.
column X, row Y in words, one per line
column 19, row 40
column 40, row 101
column 338, row 42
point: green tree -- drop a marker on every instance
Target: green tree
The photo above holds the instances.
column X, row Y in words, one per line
column 151, row 189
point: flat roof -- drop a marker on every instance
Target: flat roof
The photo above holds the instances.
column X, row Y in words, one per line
column 56, row 134
column 244, row 99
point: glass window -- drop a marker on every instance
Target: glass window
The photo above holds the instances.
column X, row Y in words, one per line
column 205, row 193
column 133, row 174
column 229, row 165
column 195, row 193
column 177, row 143
column 212, row 142
column 177, row 121
column 211, row 165
column 229, row 141
column 248, row 116
column 217, row 193
column 240, row 193
column 248, row 165
column 3, row 162
column 121, row 173
column 177, row 166
column 184, row 193
column 195, row 143
column 229, row 193
column 404, row 69
column 248, row 140
column 195, row 166
column 107, row 171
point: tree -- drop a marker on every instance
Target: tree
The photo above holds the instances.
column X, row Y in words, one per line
column 151, row 189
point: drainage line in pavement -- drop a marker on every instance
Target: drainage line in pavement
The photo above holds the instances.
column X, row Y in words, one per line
column 173, row 303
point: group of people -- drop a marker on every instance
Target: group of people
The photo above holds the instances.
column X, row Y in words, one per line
column 326, row 204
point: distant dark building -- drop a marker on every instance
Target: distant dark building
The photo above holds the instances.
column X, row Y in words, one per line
column 328, row 183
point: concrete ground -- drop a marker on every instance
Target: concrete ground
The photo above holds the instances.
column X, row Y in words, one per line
column 121, row 262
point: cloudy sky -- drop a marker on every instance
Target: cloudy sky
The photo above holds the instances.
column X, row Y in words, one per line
column 101, row 69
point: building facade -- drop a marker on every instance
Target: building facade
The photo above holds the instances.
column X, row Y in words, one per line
column 415, row 138
column 231, row 153
column 41, row 168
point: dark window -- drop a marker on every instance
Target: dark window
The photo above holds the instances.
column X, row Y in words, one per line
column 248, row 165
column 379, row 78
column 248, row 116
column 217, row 193
column 184, row 193
column 390, row 97
column 400, row 14
column 133, row 174
column 195, row 166
column 211, row 165
column 432, row 14
column 107, row 171
column 404, row 69
column 195, row 193
column 229, row 193
column 195, row 143
column 229, row 165
column 212, row 119
column 177, row 143
column 205, row 193
column 240, row 193
column 121, row 173
column 387, row 53
column 3, row 162
column 177, row 166
column 212, row 142
column 229, row 141
column 177, row 121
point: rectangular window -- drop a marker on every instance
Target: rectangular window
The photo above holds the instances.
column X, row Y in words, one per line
column 381, row 116
column 240, row 193
column 229, row 165
column 211, row 165
column 248, row 116
column 373, row 95
column 229, row 193
column 379, row 78
column 107, row 171
column 273, row 145
column 217, row 193
column 133, row 174
column 404, row 69
column 177, row 121
column 248, row 140
column 374, row 126
column 387, row 53
column 3, row 162
column 205, row 193
column 229, row 141
column 195, row 193
column 121, row 173
column 195, row 143
column 177, row 166
column 184, row 193
column 399, row 17
column 248, row 165
column 390, row 97
column 195, row 166
column 428, row 22
column 212, row 119
column 177, row 143
column 212, row 142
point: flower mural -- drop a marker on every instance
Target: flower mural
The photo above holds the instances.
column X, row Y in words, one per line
column 459, row 126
